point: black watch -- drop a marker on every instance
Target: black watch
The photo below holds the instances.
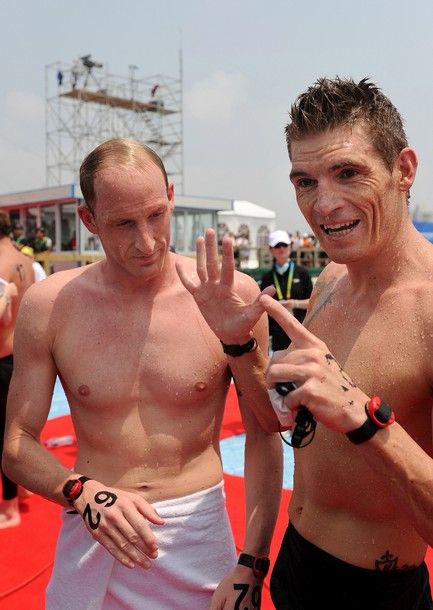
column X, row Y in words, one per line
column 73, row 488
column 259, row 565
column 379, row 415
column 235, row 350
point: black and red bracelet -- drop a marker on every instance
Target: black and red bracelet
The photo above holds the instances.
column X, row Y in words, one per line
column 379, row 415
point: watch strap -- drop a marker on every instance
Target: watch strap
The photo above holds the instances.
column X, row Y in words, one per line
column 236, row 350
column 73, row 488
column 259, row 565
column 379, row 415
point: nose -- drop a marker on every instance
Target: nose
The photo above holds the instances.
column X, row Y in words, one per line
column 327, row 199
column 144, row 240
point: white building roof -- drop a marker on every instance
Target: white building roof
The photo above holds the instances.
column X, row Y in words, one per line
column 246, row 208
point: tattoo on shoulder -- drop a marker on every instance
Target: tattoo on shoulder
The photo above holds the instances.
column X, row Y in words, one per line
column 20, row 270
column 388, row 561
column 323, row 291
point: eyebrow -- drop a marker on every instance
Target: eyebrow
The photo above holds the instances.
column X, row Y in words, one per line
column 343, row 163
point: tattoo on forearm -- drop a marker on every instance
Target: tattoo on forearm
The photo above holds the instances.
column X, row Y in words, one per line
column 330, row 359
column 102, row 497
column 256, row 596
column 388, row 562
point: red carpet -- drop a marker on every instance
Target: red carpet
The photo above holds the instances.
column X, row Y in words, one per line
column 27, row 551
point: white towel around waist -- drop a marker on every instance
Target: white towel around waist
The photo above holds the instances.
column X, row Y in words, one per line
column 196, row 551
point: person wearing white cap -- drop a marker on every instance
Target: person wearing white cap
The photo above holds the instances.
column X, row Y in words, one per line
column 292, row 283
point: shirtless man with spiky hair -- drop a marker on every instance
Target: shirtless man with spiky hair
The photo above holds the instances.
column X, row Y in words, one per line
column 362, row 504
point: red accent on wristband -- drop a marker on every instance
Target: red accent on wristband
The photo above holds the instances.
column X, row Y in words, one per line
column 372, row 407
column 76, row 487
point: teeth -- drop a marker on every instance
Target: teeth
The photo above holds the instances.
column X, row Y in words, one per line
column 341, row 229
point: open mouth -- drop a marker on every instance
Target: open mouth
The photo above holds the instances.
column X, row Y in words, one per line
column 339, row 229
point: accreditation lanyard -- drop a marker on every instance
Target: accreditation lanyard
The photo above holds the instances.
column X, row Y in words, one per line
column 289, row 283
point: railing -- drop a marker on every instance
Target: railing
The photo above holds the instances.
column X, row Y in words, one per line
column 66, row 261
column 312, row 258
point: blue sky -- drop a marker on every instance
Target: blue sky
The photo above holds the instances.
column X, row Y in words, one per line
column 244, row 62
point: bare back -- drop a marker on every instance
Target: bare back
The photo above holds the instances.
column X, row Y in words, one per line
column 384, row 341
column 14, row 267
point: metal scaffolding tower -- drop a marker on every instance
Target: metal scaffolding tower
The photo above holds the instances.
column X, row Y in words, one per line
column 86, row 105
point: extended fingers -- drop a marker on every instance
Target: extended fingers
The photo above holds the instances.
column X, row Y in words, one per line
column 200, row 250
column 212, row 264
column 228, row 264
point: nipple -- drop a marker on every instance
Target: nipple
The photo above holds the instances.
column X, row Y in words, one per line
column 84, row 390
column 200, row 386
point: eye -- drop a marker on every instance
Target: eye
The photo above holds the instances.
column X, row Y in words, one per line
column 157, row 214
column 125, row 223
column 347, row 173
column 304, row 183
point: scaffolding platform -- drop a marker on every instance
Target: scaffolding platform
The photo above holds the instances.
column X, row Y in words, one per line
column 101, row 97
column 86, row 105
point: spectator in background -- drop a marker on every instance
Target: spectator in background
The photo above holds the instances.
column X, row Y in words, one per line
column 16, row 275
column 41, row 242
column 292, row 283
column 18, row 236
column 37, row 267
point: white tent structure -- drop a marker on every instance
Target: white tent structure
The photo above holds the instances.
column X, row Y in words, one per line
column 248, row 222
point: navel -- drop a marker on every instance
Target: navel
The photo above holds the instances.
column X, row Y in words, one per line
column 84, row 390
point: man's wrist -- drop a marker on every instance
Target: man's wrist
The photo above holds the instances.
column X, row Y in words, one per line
column 259, row 565
column 379, row 415
column 73, row 488
column 238, row 349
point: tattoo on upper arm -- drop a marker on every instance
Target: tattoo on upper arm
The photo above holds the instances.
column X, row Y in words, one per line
column 20, row 270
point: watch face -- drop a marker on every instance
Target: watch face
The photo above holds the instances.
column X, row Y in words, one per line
column 71, row 488
column 261, row 567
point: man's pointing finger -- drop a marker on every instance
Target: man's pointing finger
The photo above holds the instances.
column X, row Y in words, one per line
column 297, row 333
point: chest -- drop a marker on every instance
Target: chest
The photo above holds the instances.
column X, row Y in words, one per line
column 154, row 355
column 386, row 351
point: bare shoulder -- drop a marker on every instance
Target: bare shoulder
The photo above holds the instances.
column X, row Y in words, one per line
column 39, row 305
column 325, row 286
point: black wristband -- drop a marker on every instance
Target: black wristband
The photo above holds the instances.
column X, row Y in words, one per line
column 259, row 565
column 73, row 488
column 379, row 415
column 235, row 350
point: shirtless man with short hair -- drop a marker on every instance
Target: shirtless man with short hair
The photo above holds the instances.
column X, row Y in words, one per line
column 146, row 380
column 362, row 503
column 16, row 275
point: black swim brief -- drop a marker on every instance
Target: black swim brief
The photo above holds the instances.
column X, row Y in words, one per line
column 307, row 578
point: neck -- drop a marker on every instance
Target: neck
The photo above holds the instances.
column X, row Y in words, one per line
column 397, row 259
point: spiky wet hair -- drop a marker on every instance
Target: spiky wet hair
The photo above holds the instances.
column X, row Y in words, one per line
column 331, row 103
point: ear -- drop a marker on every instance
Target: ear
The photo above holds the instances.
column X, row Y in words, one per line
column 407, row 164
column 87, row 219
column 170, row 194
